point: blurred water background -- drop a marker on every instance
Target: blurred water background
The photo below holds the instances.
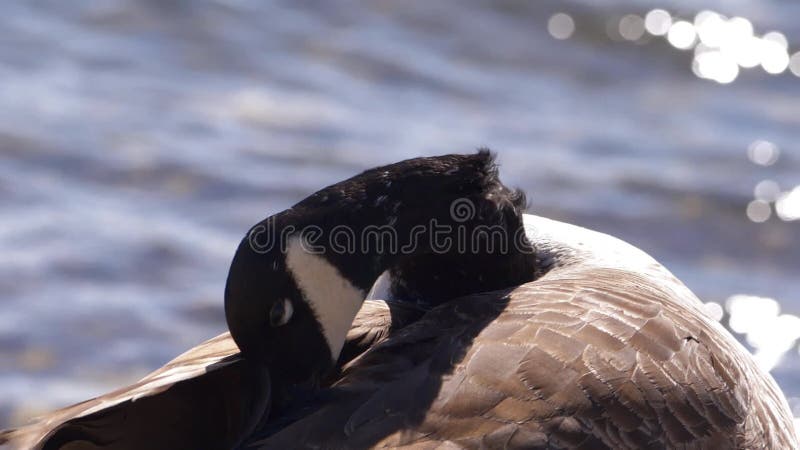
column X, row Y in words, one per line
column 140, row 139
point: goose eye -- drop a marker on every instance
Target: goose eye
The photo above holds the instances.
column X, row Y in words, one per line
column 280, row 313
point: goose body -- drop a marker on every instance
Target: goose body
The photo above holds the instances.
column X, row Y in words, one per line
column 600, row 347
column 607, row 350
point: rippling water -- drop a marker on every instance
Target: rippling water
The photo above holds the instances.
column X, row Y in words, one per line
column 139, row 140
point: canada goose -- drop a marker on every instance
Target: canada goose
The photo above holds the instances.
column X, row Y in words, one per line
column 584, row 342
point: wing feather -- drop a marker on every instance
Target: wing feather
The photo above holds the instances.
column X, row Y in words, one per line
column 603, row 358
column 205, row 398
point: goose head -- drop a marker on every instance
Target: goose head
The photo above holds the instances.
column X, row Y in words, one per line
column 298, row 278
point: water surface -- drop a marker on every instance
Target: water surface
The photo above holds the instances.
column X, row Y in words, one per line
column 140, row 139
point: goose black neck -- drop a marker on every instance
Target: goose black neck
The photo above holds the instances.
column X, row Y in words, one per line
column 448, row 205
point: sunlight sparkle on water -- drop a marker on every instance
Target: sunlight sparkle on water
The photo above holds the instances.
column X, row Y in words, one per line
column 682, row 35
column 778, row 38
column 724, row 45
column 767, row 190
column 763, row 153
column 758, row 211
column 770, row 333
column 774, row 58
column 749, row 312
column 657, row 22
column 788, row 205
column 714, row 310
column 631, row 27
column 714, row 65
column 735, row 38
column 794, row 64
column 710, row 28
column 561, row 26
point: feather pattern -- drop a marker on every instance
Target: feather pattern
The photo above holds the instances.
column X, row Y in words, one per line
column 582, row 358
column 208, row 397
column 205, row 398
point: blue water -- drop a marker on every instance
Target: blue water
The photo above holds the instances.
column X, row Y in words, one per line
column 139, row 140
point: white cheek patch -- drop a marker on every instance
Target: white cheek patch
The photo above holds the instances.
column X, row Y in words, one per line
column 331, row 296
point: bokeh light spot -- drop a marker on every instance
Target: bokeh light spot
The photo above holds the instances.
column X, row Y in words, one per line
column 561, row 26
column 774, row 57
column 770, row 334
column 794, row 64
column 758, row 211
column 658, row 22
column 681, row 35
column 749, row 312
column 714, row 310
column 715, row 65
column 711, row 28
column 788, row 205
column 739, row 26
column 747, row 51
column 763, row 153
column 631, row 27
column 721, row 43
column 767, row 190
column 778, row 38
